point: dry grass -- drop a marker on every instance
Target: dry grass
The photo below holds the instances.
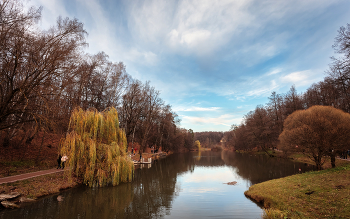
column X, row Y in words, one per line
column 299, row 157
column 40, row 186
column 319, row 194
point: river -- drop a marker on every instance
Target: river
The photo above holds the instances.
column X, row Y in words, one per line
column 186, row 185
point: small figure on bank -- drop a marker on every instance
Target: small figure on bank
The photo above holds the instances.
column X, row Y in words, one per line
column 63, row 161
column 132, row 150
column 59, row 162
column 135, row 150
column 140, row 156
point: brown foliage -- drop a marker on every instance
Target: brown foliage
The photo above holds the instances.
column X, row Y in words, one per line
column 316, row 132
column 208, row 139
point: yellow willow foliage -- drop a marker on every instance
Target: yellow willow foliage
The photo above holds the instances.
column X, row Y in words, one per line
column 198, row 145
column 96, row 148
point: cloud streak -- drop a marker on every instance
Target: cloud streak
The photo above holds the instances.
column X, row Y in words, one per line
column 225, row 120
column 225, row 53
column 198, row 109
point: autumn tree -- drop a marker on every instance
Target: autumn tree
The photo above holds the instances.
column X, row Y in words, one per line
column 292, row 102
column 151, row 107
column 189, row 139
column 340, row 67
column 45, row 75
column 259, row 127
column 241, row 139
column 168, row 135
column 197, row 145
column 96, row 148
column 33, row 64
column 317, row 132
column 208, row 139
column 275, row 108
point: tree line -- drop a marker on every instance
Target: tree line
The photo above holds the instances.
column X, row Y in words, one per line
column 262, row 127
column 208, row 139
column 45, row 75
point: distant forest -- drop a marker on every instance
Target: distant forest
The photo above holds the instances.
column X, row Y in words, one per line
column 45, row 74
column 262, row 127
column 209, row 139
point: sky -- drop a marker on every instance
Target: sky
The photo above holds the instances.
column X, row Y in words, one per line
column 213, row 61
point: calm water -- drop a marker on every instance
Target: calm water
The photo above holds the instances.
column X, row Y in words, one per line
column 187, row 185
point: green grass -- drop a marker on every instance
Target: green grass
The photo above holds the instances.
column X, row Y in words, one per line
column 318, row 194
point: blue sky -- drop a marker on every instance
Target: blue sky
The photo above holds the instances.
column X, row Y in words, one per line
column 212, row 61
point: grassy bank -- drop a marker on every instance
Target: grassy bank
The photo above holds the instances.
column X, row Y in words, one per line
column 298, row 157
column 40, row 186
column 319, row 194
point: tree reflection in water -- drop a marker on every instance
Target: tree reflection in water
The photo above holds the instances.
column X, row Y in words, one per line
column 153, row 190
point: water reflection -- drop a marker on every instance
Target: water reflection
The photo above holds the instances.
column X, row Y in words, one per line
column 259, row 168
column 180, row 186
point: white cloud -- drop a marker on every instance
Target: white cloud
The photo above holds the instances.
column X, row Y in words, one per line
column 300, row 78
column 197, row 109
column 274, row 80
column 274, row 71
column 197, row 27
column 186, row 47
column 193, row 38
column 51, row 11
column 225, row 119
column 142, row 57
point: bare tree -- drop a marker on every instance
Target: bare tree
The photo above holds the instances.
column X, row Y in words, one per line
column 259, row 128
column 340, row 67
column 152, row 105
column 32, row 63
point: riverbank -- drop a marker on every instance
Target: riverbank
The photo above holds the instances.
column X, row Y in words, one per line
column 40, row 186
column 299, row 157
column 34, row 188
column 317, row 194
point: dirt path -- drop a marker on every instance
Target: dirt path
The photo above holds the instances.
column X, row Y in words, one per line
column 15, row 178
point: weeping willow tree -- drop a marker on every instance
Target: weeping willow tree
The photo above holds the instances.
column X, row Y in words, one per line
column 96, row 148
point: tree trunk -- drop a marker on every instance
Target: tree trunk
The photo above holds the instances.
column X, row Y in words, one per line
column 318, row 161
column 333, row 159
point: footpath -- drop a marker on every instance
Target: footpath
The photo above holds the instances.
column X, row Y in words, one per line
column 15, row 178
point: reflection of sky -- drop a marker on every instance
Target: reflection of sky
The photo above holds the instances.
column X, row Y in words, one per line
column 203, row 194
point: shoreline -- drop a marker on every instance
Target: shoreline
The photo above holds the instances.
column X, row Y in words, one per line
column 299, row 157
column 314, row 194
column 38, row 187
column 32, row 189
